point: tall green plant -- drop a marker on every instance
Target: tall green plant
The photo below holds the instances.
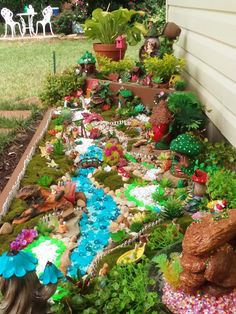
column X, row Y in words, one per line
column 107, row 26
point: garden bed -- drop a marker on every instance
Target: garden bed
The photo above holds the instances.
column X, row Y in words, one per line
column 14, row 156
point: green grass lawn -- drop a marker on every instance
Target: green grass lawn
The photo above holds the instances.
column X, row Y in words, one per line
column 25, row 64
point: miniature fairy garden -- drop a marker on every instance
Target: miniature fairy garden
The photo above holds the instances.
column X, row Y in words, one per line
column 125, row 206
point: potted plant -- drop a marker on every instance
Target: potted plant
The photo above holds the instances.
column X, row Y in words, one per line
column 108, row 26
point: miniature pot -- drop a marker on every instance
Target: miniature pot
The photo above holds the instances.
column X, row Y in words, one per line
column 171, row 30
column 110, row 51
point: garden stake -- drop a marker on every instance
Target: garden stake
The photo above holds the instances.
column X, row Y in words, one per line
column 54, row 61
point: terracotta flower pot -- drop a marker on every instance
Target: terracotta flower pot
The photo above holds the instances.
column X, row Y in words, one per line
column 171, row 30
column 110, row 51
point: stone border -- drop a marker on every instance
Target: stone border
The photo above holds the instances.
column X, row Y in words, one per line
column 14, row 182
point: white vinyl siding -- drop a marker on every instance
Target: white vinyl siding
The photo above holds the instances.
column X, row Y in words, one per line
column 208, row 44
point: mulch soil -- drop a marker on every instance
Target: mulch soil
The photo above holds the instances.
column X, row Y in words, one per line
column 12, row 154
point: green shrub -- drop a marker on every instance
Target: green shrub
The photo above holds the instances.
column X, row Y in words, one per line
column 62, row 23
column 164, row 68
column 60, row 85
column 221, row 184
column 107, row 65
column 180, row 85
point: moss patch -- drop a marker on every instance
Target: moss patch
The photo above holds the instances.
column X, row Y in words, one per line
column 17, row 207
column 111, row 179
column 37, row 168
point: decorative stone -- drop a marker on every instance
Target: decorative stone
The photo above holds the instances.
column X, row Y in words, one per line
column 107, row 189
column 6, row 228
column 114, row 227
column 81, row 203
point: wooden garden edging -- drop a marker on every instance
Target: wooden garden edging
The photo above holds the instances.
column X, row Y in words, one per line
column 14, row 182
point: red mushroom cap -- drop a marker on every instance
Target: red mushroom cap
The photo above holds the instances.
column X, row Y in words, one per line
column 199, row 176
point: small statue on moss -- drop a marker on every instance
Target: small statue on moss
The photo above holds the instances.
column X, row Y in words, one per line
column 185, row 148
column 150, row 48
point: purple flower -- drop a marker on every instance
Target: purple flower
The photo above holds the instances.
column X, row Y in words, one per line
column 15, row 245
column 23, row 239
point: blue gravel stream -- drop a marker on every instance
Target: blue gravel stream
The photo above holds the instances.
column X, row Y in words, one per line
column 94, row 227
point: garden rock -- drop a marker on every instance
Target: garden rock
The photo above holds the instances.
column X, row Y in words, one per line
column 209, row 258
column 6, row 228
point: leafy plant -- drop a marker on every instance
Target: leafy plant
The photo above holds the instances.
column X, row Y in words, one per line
column 112, row 153
column 171, row 269
column 119, row 236
column 166, row 46
column 221, row 185
column 45, row 181
column 217, row 155
column 107, row 26
column 58, row 148
column 187, row 110
column 163, row 236
column 173, row 208
column 60, row 85
column 164, row 68
column 123, row 290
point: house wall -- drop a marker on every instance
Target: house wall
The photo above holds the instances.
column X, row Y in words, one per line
column 208, row 44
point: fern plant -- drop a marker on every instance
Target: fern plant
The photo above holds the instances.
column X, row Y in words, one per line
column 187, row 110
